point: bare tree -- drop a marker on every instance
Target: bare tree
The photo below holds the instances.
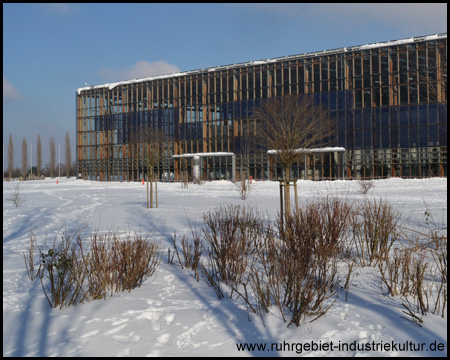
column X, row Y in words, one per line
column 52, row 157
column 150, row 144
column 291, row 126
column 68, row 154
column 434, row 75
column 10, row 156
column 24, row 158
column 38, row 155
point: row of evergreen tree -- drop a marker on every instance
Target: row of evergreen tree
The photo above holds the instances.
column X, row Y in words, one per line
column 51, row 169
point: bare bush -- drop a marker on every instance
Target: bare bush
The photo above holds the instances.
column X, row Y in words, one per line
column 231, row 233
column 120, row 264
column 297, row 263
column 243, row 186
column 16, row 196
column 396, row 271
column 192, row 250
column 135, row 259
column 65, row 272
column 365, row 185
column 439, row 255
column 70, row 275
column 375, row 228
column 29, row 259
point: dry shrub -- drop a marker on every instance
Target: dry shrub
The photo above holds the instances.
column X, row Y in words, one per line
column 243, row 185
column 100, row 267
column 437, row 248
column 62, row 272
column 396, row 271
column 375, row 228
column 192, row 250
column 418, row 272
column 16, row 196
column 70, row 275
column 292, row 266
column 117, row 264
column 135, row 259
column 439, row 255
column 29, row 259
column 365, row 185
column 231, row 233
column 303, row 261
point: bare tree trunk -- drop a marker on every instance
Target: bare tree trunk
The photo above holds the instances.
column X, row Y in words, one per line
column 67, row 154
column 38, row 155
column 147, row 192
column 24, row 158
column 287, row 192
column 52, row 156
column 151, row 188
column 156, row 192
column 10, row 156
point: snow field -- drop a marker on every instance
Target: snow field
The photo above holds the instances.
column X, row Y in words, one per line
column 172, row 314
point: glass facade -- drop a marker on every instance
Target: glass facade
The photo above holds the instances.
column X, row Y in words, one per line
column 389, row 101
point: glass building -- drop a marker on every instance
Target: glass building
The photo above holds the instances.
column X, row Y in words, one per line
column 388, row 101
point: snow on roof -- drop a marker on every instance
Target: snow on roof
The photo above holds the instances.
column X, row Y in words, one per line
column 262, row 62
column 203, row 154
column 314, row 150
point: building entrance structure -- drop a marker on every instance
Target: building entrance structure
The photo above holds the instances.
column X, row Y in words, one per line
column 207, row 166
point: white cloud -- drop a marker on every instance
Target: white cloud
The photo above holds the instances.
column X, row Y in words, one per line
column 425, row 17
column 8, row 90
column 420, row 18
column 141, row 69
column 60, row 8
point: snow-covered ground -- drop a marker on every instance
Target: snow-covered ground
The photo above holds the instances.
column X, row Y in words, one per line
column 172, row 314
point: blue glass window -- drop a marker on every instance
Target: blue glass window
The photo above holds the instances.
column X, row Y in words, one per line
column 375, row 118
column 350, row 141
column 433, row 135
column 432, row 114
column 349, row 116
column 358, row 119
column 404, row 142
column 385, row 137
column 384, row 117
column 394, row 137
column 423, row 115
column 413, row 135
column 244, row 113
column 423, row 135
column 367, row 118
column 358, row 139
column 443, row 134
column 367, row 139
column 403, row 116
column 358, row 98
column 341, row 139
column 332, row 97
column 376, row 138
column 341, row 100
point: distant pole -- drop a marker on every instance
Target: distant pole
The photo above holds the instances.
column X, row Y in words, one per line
column 59, row 155
column 31, row 160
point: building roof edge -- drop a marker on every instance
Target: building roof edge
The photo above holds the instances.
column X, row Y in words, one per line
column 267, row 61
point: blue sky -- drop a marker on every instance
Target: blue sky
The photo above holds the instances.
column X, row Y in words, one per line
column 50, row 50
